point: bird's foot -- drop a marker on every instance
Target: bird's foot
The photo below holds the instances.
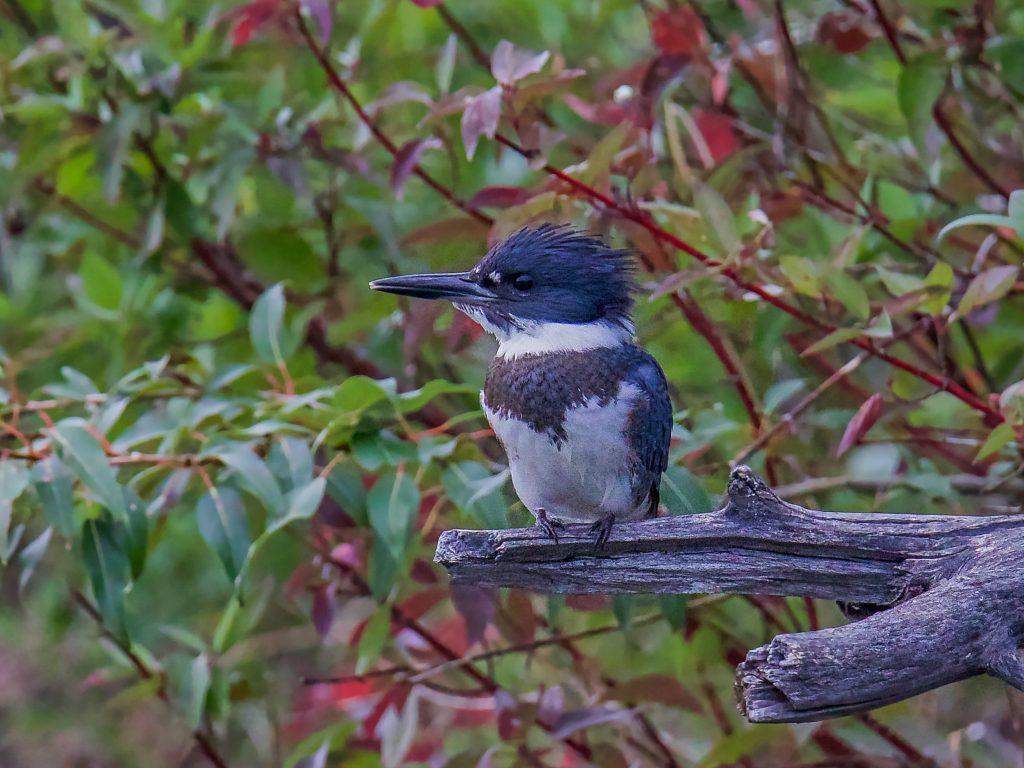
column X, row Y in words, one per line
column 549, row 526
column 603, row 529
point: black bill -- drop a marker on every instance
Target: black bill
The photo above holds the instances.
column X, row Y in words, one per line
column 454, row 286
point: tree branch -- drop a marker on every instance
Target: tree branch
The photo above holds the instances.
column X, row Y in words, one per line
column 944, row 595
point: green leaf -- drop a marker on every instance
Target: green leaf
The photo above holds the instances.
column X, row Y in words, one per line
column 14, row 478
column 30, row 556
column 718, row 217
column 673, row 608
column 281, row 255
column 85, row 456
column 921, row 82
column 383, row 569
column 998, row 438
column 292, row 462
column 392, row 506
column 345, row 486
column 781, row 391
column 477, row 491
column 136, row 534
column 302, row 503
column 834, row 339
column 802, row 274
column 381, row 449
column 266, row 327
column 897, row 283
column 253, row 475
column 446, row 64
column 375, row 634
column 357, row 393
column 413, row 401
column 101, row 283
column 188, row 682
column 849, row 292
column 939, row 282
column 1015, row 210
column 682, row 493
column 991, row 285
column 979, row 219
column 224, row 526
column 880, row 327
column 108, row 573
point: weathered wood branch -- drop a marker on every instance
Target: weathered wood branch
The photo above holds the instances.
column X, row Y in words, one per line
column 945, row 594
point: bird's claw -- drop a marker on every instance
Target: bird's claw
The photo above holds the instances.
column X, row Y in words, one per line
column 603, row 529
column 549, row 526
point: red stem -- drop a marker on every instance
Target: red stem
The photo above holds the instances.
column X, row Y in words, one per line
column 992, row 415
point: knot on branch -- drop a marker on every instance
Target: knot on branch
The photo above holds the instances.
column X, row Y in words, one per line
column 749, row 494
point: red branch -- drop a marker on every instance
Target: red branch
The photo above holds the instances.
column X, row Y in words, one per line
column 689, row 306
column 946, row 385
column 992, row 415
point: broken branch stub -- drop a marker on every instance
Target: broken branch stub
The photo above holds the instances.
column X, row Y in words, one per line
column 945, row 594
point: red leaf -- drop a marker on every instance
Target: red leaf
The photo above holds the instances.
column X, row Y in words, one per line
column 678, row 30
column 323, row 609
column 500, row 197
column 588, row 602
column 843, row 32
column 660, row 689
column 602, row 114
column 422, row 572
column 509, row 65
column 405, row 162
column 477, row 606
column 717, row 132
column 481, row 118
column 861, row 422
column 250, row 18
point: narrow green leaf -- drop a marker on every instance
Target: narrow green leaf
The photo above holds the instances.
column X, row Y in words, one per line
column 345, row 486
column 991, row 285
column 30, row 556
column 85, row 456
column 224, row 526
column 292, row 462
column 779, row 392
column 673, row 608
column 392, row 505
column 188, row 682
column 381, row 449
column 1015, row 210
column 939, row 282
column 835, row 338
column 108, row 573
column 375, row 634
column 980, row 219
column 253, row 474
column 477, row 491
column 998, row 438
column 849, row 292
column 718, row 217
column 920, row 84
column 14, row 478
column 266, row 325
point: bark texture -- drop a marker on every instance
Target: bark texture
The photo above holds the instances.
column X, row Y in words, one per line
column 943, row 596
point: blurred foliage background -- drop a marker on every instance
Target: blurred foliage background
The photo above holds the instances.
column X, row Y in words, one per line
column 224, row 463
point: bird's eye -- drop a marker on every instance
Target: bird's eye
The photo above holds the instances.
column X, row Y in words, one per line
column 522, row 282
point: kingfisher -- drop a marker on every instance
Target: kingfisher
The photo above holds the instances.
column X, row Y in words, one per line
column 582, row 411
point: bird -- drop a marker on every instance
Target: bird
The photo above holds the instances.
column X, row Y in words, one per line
column 582, row 411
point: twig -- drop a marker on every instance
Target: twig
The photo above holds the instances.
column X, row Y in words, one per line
column 202, row 740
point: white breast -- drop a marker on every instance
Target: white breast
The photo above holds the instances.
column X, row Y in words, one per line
column 586, row 476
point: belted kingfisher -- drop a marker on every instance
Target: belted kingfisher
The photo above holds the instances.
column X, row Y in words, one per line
column 583, row 413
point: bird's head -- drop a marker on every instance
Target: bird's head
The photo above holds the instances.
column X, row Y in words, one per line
column 541, row 289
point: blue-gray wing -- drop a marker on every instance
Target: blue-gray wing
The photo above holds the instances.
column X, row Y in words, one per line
column 649, row 426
